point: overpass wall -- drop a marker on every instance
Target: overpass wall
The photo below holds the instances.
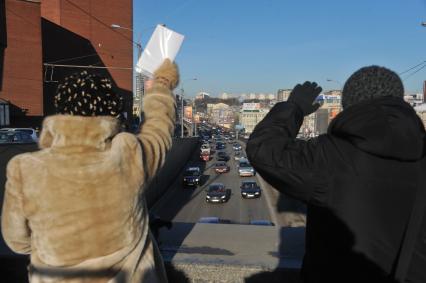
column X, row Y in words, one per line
column 176, row 159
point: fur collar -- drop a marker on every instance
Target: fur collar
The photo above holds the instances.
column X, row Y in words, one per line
column 63, row 131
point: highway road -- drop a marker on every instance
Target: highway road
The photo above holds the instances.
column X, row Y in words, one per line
column 285, row 211
column 183, row 204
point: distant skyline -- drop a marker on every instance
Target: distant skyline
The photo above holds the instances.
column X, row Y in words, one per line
column 252, row 46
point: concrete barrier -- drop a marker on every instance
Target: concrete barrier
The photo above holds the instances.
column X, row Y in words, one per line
column 177, row 157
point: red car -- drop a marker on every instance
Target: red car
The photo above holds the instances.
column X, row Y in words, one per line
column 221, row 167
column 205, row 157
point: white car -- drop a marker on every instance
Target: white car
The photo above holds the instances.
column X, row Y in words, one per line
column 28, row 131
column 205, row 148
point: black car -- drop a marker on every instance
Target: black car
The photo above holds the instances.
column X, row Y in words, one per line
column 217, row 193
column 236, row 146
column 220, row 145
column 192, row 176
column 250, row 189
column 222, row 156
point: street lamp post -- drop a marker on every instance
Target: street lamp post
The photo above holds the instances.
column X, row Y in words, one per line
column 140, row 79
column 337, row 82
column 193, row 119
column 181, row 105
column 182, row 113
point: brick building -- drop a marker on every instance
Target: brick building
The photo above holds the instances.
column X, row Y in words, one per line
column 65, row 34
column 78, row 32
column 21, row 81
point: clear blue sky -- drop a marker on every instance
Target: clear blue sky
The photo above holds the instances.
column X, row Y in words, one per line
column 243, row 46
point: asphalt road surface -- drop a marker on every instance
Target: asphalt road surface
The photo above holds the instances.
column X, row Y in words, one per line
column 183, row 204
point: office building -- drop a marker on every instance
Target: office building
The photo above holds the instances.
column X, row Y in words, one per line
column 283, row 94
column 251, row 114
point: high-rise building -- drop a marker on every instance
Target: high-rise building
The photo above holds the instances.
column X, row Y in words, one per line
column 283, row 94
column 139, row 91
column 424, row 91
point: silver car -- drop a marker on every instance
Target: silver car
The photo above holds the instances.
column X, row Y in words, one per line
column 245, row 169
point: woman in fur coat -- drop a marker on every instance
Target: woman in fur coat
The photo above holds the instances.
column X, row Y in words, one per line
column 77, row 205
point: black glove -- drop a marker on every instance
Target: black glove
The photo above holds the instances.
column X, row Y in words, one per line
column 304, row 96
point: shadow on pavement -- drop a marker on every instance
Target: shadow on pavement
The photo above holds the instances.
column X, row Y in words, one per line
column 175, row 275
column 170, row 246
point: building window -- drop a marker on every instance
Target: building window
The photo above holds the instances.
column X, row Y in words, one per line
column 4, row 114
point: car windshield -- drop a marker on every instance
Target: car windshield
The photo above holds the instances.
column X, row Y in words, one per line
column 250, row 185
column 216, row 188
column 6, row 137
column 27, row 131
column 192, row 172
column 245, row 165
column 14, row 137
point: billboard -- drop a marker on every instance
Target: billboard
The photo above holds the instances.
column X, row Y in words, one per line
column 196, row 118
column 333, row 112
column 251, row 106
column 188, row 112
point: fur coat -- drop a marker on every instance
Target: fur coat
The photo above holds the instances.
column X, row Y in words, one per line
column 77, row 206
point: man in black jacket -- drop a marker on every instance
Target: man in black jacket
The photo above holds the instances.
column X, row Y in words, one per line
column 359, row 181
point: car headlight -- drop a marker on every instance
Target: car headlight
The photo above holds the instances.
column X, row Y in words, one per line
column 222, row 196
column 244, row 193
column 196, row 179
column 207, row 196
column 256, row 193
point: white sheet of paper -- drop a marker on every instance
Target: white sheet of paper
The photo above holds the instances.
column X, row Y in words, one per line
column 164, row 43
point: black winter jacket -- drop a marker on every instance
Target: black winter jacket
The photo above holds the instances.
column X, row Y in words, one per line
column 359, row 181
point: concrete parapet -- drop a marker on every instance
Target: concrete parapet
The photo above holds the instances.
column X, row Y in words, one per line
column 177, row 157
